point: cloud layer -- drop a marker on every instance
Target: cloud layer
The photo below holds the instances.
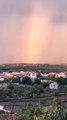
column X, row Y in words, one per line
column 33, row 31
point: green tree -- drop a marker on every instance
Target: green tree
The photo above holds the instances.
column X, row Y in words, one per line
column 26, row 80
column 10, row 88
column 61, row 81
column 37, row 81
column 30, row 114
column 54, row 113
column 35, row 90
column 48, row 113
column 15, row 80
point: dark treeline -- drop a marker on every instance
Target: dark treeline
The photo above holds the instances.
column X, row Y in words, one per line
column 34, row 67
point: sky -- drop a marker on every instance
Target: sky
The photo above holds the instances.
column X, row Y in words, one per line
column 33, row 31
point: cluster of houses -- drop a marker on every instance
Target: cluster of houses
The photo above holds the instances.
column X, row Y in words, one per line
column 30, row 74
column 33, row 76
column 55, row 75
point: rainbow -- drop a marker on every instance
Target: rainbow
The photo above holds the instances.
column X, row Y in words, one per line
column 35, row 35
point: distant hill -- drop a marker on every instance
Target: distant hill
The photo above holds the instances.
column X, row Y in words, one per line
column 33, row 67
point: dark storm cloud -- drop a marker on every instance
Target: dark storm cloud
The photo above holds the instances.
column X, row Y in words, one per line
column 59, row 19
column 58, row 8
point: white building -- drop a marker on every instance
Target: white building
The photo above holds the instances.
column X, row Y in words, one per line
column 46, row 81
column 44, row 75
column 61, row 75
column 2, row 79
column 53, row 86
column 33, row 76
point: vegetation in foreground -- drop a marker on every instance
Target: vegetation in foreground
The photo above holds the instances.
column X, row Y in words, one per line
column 55, row 112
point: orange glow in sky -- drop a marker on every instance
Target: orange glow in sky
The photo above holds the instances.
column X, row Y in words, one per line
column 33, row 31
column 35, row 36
